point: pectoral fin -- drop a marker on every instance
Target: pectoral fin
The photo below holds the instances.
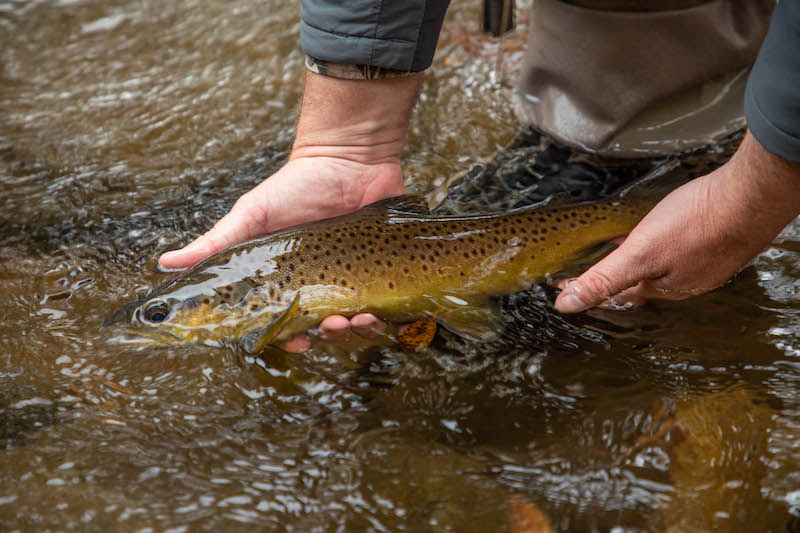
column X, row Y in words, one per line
column 257, row 340
column 477, row 323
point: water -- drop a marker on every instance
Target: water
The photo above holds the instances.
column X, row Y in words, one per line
column 127, row 128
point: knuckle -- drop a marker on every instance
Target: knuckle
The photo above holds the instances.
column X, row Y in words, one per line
column 599, row 286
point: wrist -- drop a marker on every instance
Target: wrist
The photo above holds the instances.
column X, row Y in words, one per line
column 363, row 121
column 770, row 184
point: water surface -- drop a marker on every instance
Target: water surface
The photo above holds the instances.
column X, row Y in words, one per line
column 128, row 128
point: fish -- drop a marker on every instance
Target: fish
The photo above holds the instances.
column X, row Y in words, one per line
column 393, row 259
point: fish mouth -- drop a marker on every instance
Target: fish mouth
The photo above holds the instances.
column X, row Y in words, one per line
column 146, row 337
column 123, row 320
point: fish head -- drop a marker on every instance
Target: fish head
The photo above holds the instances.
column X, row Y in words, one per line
column 186, row 313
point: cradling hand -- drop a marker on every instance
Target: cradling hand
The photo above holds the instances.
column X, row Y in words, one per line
column 697, row 237
column 346, row 155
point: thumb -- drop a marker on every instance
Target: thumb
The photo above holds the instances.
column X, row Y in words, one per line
column 604, row 280
column 233, row 228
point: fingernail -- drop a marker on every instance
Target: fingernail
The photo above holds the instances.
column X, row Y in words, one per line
column 570, row 303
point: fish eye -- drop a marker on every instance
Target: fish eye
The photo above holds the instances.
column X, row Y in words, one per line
column 156, row 312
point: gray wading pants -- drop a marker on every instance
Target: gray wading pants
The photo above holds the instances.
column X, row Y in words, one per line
column 627, row 78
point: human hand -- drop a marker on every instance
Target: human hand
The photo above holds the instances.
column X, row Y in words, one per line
column 346, row 155
column 697, row 237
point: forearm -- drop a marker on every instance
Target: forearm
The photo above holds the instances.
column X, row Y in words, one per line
column 364, row 121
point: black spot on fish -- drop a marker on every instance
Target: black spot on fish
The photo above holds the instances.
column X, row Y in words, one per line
column 391, row 285
column 191, row 303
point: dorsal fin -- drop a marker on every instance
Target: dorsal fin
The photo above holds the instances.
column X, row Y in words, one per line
column 408, row 203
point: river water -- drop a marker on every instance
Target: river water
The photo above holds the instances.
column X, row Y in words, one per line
column 127, row 128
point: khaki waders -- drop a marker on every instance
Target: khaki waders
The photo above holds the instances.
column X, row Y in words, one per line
column 627, row 78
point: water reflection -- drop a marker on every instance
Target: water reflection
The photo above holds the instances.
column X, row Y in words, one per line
column 127, row 128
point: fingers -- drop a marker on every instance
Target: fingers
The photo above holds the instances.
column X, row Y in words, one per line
column 297, row 344
column 628, row 299
column 233, row 228
column 335, row 329
column 338, row 329
column 367, row 325
column 625, row 300
column 608, row 278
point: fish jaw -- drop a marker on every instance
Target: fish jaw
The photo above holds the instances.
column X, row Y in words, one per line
column 126, row 321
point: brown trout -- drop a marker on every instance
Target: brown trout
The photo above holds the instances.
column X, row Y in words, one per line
column 392, row 258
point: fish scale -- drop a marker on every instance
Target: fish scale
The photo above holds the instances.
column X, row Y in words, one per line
column 392, row 259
